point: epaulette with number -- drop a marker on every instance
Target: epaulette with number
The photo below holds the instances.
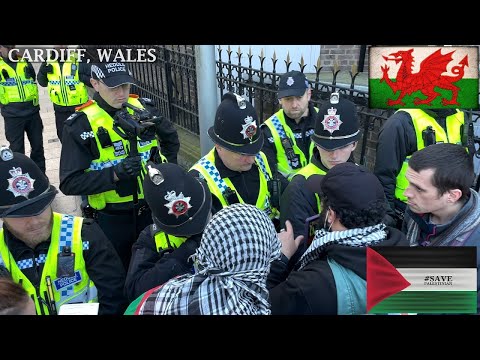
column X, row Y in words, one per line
column 147, row 101
column 72, row 118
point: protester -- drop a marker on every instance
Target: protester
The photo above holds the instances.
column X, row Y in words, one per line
column 232, row 264
column 330, row 277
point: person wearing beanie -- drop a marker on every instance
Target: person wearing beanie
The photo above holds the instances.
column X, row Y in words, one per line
column 106, row 144
column 236, row 170
column 404, row 133
column 19, row 104
column 231, row 267
column 57, row 258
column 181, row 207
column 287, row 133
column 66, row 84
column 330, row 277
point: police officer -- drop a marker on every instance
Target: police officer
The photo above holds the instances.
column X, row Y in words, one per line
column 181, row 207
column 236, row 170
column 19, row 104
column 106, row 145
column 287, row 132
column 336, row 135
column 67, row 85
column 405, row 132
column 57, row 258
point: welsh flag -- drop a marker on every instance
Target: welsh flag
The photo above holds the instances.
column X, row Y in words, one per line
column 426, row 77
column 421, row 280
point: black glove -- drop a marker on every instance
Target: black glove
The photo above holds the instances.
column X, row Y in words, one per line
column 187, row 249
column 129, row 168
column 48, row 68
column 29, row 72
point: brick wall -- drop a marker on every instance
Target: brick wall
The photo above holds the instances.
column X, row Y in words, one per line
column 341, row 57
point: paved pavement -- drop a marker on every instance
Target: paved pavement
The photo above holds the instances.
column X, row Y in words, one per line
column 62, row 203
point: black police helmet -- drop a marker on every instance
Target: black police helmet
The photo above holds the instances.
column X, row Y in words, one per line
column 336, row 123
column 236, row 126
column 24, row 189
column 180, row 202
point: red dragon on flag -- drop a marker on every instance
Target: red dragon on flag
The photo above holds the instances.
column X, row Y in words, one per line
column 430, row 75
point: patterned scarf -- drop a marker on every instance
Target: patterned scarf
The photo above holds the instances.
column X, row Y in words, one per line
column 360, row 237
column 232, row 262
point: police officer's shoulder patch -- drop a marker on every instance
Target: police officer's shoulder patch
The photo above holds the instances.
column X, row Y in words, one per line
column 147, row 101
column 72, row 118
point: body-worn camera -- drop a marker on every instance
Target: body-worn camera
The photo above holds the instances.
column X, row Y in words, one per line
column 274, row 187
column 66, row 263
column 230, row 196
column 138, row 124
column 428, row 136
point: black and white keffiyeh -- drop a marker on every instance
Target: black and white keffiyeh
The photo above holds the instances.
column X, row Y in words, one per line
column 359, row 237
column 233, row 261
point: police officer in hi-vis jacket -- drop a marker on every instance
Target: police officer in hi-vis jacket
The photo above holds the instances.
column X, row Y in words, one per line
column 106, row 144
column 57, row 258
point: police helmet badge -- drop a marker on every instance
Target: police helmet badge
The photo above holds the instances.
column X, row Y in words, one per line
column 20, row 184
column 290, row 81
column 249, row 129
column 177, row 205
column 331, row 122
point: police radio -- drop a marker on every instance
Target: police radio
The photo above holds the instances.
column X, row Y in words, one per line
column 428, row 136
column 291, row 156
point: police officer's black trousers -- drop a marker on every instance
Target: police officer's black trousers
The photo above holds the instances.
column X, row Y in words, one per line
column 15, row 129
column 119, row 229
column 60, row 117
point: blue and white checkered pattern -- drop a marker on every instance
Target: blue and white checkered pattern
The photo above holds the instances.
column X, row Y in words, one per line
column 86, row 244
column 67, row 291
column 25, row 264
column 100, row 165
column 263, row 169
column 213, row 172
column 66, row 231
column 281, row 132
column 67, row 82
column 41, row 259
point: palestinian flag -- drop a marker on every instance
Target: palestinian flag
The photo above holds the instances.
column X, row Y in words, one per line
column 425, row 77
column 421, row 280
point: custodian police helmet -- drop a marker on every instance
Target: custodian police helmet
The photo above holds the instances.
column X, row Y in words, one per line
column 180, row 202
column 24, row 189
column 336, row 124
column 236, row 126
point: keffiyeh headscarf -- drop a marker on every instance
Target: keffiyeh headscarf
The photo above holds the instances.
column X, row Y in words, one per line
column 232, row 261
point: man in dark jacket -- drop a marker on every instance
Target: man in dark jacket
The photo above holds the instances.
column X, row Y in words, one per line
column 57, row 258
column 104, row 151
column 330, row 277
column 442, row 209
column 404, row 133
column 180, row 205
